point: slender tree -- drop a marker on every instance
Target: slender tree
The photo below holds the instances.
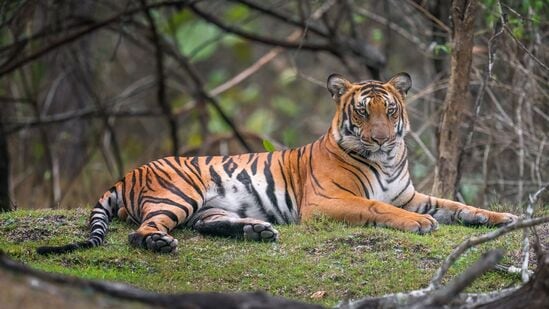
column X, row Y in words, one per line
column 458, row 99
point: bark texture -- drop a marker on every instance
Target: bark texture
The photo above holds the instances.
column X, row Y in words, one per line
column 457, row 101
column 5, row 204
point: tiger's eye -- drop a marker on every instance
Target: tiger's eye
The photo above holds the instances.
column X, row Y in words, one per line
column 361, row 108
column 362, row 111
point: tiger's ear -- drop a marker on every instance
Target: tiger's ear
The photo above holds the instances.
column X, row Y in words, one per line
column 402, row 82
column 337, row 85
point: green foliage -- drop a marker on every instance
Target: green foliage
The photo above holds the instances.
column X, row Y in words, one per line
column 342, row 260
column 442, row 49
column 287, row 76
column 237, row 13
column 288, row 107
column 289, row 137
column 518, row 14
column 268, row 146
column 377, row 35
column 261, row 120
column 197, row 39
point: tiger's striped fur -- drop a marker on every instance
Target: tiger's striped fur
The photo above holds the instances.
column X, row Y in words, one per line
column 357, row 172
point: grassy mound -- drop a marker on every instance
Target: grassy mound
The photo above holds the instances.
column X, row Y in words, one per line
column 327, row 259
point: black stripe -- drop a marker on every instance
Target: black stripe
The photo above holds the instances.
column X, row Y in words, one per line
column 153, row 225
column 230, row 167
column 158, row 200
column 245, row 179
column 413, row 195
column 196, row 173
column 271, row 188
column 287, row 197
column 185, row 178
column 208, row 159
column 399, row 169
column 254, row 165
column 217, row 181
column 177, row 170
column 315, row 180
column 194, row 162
column 177, row 160
column 372, row 168
column 167, row 213
column 343, row 188
column 159, row 167
column 132, row 190
column 175, row 190
column 345, row 163
column 401, row 191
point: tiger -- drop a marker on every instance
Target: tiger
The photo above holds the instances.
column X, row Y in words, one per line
column 356, row 173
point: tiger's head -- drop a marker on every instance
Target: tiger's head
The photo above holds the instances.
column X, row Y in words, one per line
column 371, row 118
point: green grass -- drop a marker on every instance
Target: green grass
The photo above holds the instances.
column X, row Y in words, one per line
column 344, row 261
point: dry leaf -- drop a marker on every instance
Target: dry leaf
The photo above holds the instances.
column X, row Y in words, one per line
column 318, row 295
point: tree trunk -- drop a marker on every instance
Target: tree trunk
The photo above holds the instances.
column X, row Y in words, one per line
column 457, row 100
column 5, row 202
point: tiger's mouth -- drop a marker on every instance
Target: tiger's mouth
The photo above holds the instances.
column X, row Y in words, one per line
column 374, row 147
column 352, row 141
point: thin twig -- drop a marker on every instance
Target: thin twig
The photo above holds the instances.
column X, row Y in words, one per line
column 258, row 38
column 81, row 114
column 430, row 16
column 10, row 66
column 519, row 43
column 161, row 88
column 511, row 269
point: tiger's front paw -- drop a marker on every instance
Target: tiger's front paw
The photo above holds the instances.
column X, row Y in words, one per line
column 484, row 217
column 416, row 223
column 502, row 219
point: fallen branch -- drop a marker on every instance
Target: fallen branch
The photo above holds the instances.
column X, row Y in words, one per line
column 55, row 285
column 448, row 293
column 448, row 296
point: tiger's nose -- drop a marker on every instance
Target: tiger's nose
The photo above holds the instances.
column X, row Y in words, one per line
column 380, row 139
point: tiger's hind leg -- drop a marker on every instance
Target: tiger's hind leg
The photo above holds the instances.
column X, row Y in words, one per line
column 219, row 222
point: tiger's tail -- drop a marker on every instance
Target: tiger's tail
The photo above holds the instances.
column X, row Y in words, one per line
column 100, row 217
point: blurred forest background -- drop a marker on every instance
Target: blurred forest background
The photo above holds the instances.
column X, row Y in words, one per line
column 90, row 89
